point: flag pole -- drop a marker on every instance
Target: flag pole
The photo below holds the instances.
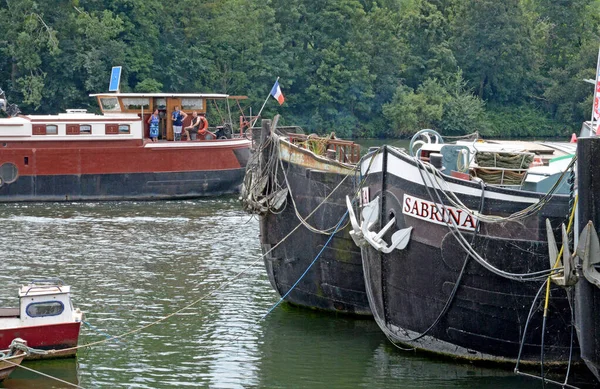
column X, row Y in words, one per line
column 596, row 93
column 263, row 106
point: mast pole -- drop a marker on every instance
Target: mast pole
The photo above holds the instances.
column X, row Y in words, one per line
column 263, row 106
column 596, row 102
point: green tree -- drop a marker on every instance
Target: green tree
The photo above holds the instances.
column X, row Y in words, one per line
column 448, row 107
column 464, row 113
column 26, row 37
column 492, row 44
column 411, row 111
column 425, row 30
column 567, row 43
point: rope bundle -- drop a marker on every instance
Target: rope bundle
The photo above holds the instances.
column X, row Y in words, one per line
column 261, row 190
column 504, row 160
column 500, row 177
column 317, row 144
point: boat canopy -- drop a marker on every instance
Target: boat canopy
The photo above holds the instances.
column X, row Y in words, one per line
column 165, row 95
column 140, row 103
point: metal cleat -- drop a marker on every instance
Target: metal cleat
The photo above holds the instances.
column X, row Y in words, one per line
column 362, row 234
column 588, row 250
column 568, row 276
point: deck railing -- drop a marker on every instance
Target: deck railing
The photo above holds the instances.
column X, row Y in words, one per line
column 340, row 150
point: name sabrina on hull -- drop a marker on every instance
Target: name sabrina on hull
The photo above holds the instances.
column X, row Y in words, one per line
column 299, row 194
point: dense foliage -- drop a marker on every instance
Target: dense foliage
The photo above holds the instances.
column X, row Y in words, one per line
column 356, row 67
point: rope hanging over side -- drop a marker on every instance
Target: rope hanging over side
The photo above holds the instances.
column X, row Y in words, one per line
column 433, row 178
column 433, row 186
column 261, row 191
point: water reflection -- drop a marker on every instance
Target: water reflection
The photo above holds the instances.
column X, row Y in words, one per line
column 133, row 263
column 63, row 369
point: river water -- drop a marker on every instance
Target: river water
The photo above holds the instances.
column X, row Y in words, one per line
column 131, row 264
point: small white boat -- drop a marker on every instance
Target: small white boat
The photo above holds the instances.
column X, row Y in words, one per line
column 45, row 318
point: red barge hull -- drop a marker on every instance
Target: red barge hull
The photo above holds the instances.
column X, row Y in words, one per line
column 121, row 170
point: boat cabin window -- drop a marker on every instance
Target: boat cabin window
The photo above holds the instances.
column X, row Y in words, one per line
column 51, row 129
column 192, row 104
column 110, row 104
column 136, row 103
column 160, row 103
column 124, row 129
column 46, row 308
column 85, row 129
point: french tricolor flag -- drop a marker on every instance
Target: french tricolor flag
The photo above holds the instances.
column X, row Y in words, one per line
column 276, row 92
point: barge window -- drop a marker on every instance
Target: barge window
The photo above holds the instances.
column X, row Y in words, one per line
column 124, row 129
column 51, row 129
column 136, row 103
column 38, row 129
column 85, row 129
column 73, row 129
column 111, row 129
column 110, row 104
column 46, row 308
column 192, row 104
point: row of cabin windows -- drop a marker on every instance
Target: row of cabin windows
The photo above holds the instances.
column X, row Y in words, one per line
column 80, row 129
column 135, row 104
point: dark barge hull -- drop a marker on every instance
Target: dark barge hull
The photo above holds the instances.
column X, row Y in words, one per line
column 335, row 282
column 408, row 288
column 129, row 186
column 587, row 295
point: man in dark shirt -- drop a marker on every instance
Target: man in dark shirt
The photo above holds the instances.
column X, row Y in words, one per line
column 192, row 130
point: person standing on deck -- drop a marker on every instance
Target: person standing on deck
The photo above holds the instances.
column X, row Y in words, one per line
column 153, row 121
column 178, row 117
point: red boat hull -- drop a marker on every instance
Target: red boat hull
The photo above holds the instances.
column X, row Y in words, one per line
column 45, row 337
column 121, row 170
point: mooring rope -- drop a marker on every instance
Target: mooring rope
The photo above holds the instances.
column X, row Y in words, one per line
column 326, row 231
column 547, row 299
column 205, row 296
column 90, row 326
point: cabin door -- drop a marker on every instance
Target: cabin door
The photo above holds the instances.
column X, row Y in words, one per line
column 171, row 104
